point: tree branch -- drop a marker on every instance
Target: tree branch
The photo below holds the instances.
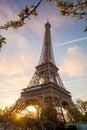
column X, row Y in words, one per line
column 32, row 10
column 76, row 5
column 20, row 22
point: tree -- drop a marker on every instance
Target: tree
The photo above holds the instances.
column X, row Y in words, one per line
column 73, row 114
column 48, row 113
column 75, row 9
column 25, row 122
column 82, row 107
column 5, row 114
column 1, row 115
column 48, row 117
column 78, row 112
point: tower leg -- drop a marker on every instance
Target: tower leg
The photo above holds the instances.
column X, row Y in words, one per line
column 60, row 112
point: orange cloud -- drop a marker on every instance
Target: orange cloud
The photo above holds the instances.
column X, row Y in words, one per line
column 74, row 62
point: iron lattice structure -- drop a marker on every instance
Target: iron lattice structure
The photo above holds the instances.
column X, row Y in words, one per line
column 46, row 71
column 46, row 87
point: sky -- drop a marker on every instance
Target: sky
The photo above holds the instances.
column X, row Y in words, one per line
column 22, row 51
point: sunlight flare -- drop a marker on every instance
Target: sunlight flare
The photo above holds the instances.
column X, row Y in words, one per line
column 31, row 109
column 18, row 116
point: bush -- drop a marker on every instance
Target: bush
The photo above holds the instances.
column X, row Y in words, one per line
column 72, row 127
column 60, row 126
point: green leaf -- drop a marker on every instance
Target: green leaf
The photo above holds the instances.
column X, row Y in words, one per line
column 85, row 30
column 63, row 12
column 34, row 13
column 2, row 41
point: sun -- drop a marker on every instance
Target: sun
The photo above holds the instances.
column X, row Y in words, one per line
column 18, row 116
column 31, row 109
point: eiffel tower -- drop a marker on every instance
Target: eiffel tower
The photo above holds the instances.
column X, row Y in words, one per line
column 45, row 87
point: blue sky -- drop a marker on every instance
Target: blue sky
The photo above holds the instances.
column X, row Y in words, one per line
column 21, row 54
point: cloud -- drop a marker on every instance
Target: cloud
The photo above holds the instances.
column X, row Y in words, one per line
column 46, row 12
column 16, row 61
column 82, row 95
column 74, row 62
column 7, row 101
column 37, row 24
column 16, row 70
column 7, row 13
column 18, row 58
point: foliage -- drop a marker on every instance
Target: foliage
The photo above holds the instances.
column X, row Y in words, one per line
column 82, row 107
column 78, row 112
column 48, row 113
column 1, row 115
column 25, row 13
column 4, row 114
column 25, row 122
column 75, row 9
column 2, row 41
column 74, row 114
column 72, row 127
column 48, row 117
column 61, row 126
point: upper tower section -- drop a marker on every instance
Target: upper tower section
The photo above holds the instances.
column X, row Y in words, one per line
column 47, row 50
